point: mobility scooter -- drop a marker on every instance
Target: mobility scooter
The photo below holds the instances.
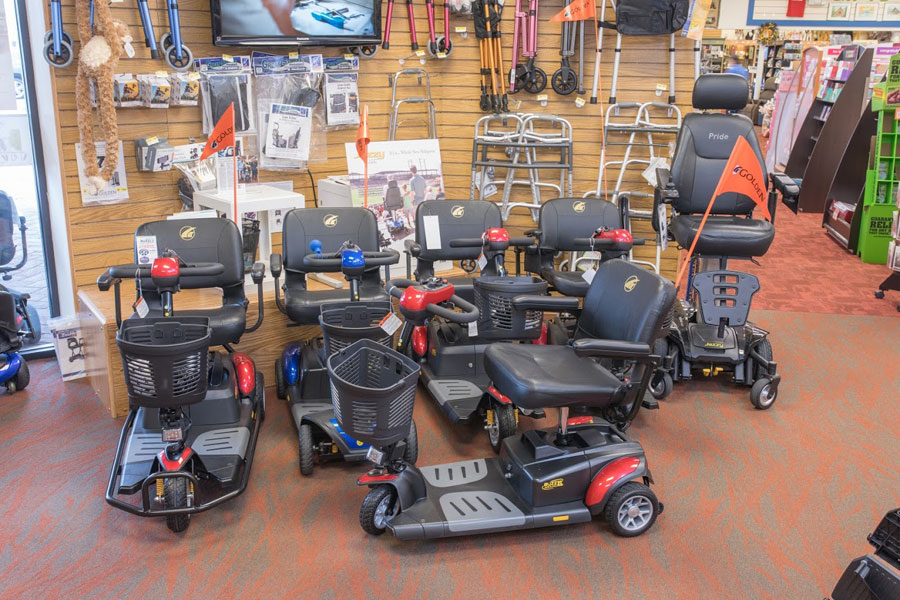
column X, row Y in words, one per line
column 451, row 355
column 587, row 467
column 188, row 441
column 300, row 374
column 14, row 373
column 27, row 318
column 709, row 329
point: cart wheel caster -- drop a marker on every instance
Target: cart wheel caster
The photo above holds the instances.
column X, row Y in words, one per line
column 377, row 509
column 501, row 423
column 175, row 496
column 364, row 51
column 632, row 509
column 307, row 454
column 763, row 393
column 179, row 64
column 411, row 453
column 564, row 81
column 535, row 82
column 280, row 387
column 879, row 294
column 661, row 385
column 444, row 45
column 65, row 56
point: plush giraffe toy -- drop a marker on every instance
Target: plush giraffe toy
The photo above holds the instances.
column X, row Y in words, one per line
column 97, row 62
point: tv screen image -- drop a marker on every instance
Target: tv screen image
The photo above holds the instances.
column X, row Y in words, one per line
column 304, row 22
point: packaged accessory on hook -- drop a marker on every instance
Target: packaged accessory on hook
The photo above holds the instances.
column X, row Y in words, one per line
column 342, row 91
column 225, row 80
column 185, row 88
column 288, row 99
column 156, row 91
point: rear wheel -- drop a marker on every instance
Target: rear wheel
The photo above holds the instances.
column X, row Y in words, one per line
column 175, row 496
column 280, row 388
column 22, row 378
column 379, row 505
column 307, row 454
column 259, row 395
column 632, row 509
column 411, row 453
column 501, row 423
column 34, row 324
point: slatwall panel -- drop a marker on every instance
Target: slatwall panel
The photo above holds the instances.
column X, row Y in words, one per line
column 101, row 235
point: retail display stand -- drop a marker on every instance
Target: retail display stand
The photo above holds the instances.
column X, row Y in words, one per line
column 796, row 93
column 826, row 135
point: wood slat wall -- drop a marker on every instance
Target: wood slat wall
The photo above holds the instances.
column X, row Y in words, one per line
column 102, row 235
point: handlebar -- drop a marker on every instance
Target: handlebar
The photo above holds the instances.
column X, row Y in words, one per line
column 193, row 270
column 373, row 259
column 601, row 243
column 396, row 287
column 479, row 242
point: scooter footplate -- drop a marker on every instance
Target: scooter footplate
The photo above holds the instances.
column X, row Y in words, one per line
column 458, row 473
column 477, row 510
column 458, row 397
column 140, row 453
column 223, row 442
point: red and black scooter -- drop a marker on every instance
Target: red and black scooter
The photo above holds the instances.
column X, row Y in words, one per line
column 586, row 467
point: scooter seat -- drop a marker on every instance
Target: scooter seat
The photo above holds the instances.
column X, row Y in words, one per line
column 568, row 283
column 724, row 235
column 303, row 306
column 227, row 322
column 534, row 376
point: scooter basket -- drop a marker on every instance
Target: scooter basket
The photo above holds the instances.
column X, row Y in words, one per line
column 373, row 390
column 165, row 360
column 886, row 538
column 344, row 323
column 498, row 319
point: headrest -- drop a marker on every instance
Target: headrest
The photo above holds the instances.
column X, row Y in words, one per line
column 720, row 91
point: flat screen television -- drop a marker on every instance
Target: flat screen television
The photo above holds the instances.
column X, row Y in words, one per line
column 296, row 22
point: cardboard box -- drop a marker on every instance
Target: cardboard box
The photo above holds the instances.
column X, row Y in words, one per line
column 69, row 345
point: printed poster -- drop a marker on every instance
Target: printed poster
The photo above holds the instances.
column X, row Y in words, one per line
column 116, row 190
column 342, row 98
column 15, row 141
column 288, row 132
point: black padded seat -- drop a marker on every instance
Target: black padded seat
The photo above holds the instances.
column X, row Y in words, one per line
column 567, row 283
column 724, row 235
column 304, row 306
column 535, row 376
column 227, row 322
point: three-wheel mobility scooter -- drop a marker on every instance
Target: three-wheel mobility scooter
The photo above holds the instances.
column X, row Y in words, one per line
column 709, row 329
column 14, row 373
column 587, row 467
column 451, row 355
column 188, row 441
column 316, row 241
column 27, row 318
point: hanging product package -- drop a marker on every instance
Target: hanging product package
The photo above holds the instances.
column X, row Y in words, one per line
column 126, row 91
column 290, row 110
column 226, row 80
column 342, row 91
column 156, row 91
column 185, row 88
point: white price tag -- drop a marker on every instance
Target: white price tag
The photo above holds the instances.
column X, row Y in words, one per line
column 432, row 232
column 141, row 308
column 663, row 227
column 589, row 275
column 420, row 53
column 146, row 249
column 390, row 323
column 473, row 329
column 374, row 455
column 129, row 49
column 482, row 262
column 460, row 30
column 579, row 102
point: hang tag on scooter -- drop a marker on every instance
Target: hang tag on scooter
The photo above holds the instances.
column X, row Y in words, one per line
column 473, row 329
column 589, row 275
column 140, row 307
column 482, row 262
column 390, row 323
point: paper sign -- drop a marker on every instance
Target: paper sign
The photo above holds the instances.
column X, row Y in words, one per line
column 473, row 329
column 146, row 249
column 390, row 323
column 141, row 308
column 482, row 262
column 589, row 275
column 432, row 232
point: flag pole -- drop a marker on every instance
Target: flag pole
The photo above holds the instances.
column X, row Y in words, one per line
column 234, row 170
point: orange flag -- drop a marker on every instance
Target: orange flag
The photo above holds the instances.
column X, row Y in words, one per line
column 362, row 135
column 577, row 10
column 742, row 174
column 222, row 135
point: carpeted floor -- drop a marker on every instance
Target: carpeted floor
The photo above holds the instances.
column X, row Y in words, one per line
column 758, row 504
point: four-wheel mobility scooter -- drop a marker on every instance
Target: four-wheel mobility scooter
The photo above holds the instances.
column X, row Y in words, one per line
column 542, row 478
column 709, row 330
column 316, row 241
column 451, row 355
column 188, row 441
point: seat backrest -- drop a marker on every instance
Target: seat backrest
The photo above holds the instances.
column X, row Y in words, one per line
column 8, row 223
column 457, row 220
column 705, row 143
column 625, row 303
column 331, row 226
column 199, row 240
column 562, row 220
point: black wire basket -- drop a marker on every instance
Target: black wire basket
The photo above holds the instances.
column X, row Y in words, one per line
column 498, row 320
column 373, row 389
column 165, row 360
column 886, row 538
column 346, row 322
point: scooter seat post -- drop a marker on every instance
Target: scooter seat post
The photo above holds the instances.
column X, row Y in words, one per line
column 563, row 421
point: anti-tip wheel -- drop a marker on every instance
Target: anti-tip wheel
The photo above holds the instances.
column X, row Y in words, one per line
column 61, row 60
column 632, row 509
column 179, row 64
column 763, row 393
column 364, row 51
column 378, row 507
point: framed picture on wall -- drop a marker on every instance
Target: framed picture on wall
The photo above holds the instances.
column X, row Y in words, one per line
column 866, row 12
column 891, row 12
column 840, row 11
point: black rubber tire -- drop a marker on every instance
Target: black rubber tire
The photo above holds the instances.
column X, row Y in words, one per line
column 175, row 496
column 564, row 81
column 624, row 494
column 34, row 319
column 763, row 394
column 445, row 45
column 411, row 453
column 661, row 384
column 259, row 394
column 879, row 294
column 306, row 454
column 505, row 418
column 764, row 349
column 187, row 58
column 280, row 387
column 536, row 83
column 368, row 517
column 22, row 378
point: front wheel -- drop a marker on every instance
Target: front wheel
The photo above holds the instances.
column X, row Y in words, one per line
column 378, row 507
column 307, row 453
column 22, row 377
column 176, row 496
column 411, row 453
column 763, row 393
column 632, row 510
column 33, row 335
column 661, row 384
column 280, row 387
column 501, row 423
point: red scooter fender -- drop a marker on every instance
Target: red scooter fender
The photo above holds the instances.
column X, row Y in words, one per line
column 409, row 483
column 613, row 476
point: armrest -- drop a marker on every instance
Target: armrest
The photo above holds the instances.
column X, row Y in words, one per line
column 548, row 303
column 275, row 265
column 665, row 189
column 786, row 185
column 106, row 280
column 535, row 233
column 258, row 272
column 413, row 247
column 611, row 348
